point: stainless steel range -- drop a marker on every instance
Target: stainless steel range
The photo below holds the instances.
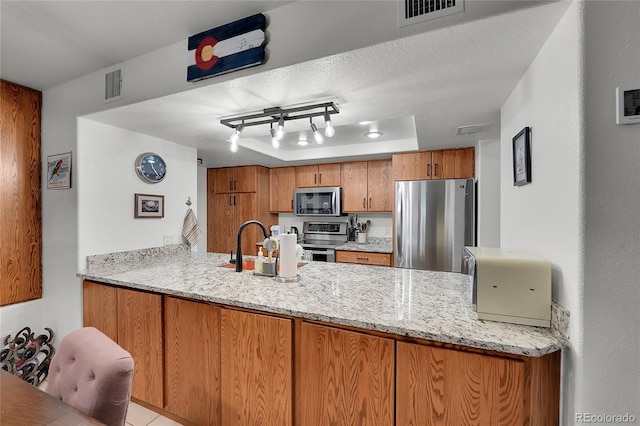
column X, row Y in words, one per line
column 321, row 239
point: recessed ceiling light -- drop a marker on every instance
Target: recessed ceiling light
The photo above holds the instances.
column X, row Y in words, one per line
column 302, row 142
column 373, row 135
column 364, row 123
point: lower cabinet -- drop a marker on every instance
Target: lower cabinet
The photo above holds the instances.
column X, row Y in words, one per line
column 192, row 361
column 450, row 387
column 257, row 369
column 344, row 377
column 133, row 319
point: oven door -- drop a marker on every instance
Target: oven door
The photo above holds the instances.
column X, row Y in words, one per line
column 320, row 255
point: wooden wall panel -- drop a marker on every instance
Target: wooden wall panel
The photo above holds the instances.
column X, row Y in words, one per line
column 257, row 372
column 20, row 199
column 192, row 361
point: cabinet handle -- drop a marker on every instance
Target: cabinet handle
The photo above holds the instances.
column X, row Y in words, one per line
column 230, row 203
column 435, row 169
column 235, row 185
column 230, row 185
column 291, row 204
column 364, row 203
column 362, row 258
column 235, row 200
column 369, row 202
column 315, row 178
column 428, row 169
column 320, row 180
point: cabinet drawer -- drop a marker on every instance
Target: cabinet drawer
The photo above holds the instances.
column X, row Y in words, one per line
column 363, row 257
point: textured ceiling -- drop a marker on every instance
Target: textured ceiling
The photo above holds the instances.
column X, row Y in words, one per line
column 419, row 88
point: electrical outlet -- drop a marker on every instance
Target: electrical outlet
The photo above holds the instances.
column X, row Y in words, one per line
column 167, row 239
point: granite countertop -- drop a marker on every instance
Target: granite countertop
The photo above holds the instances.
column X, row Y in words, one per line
column 423, row 304
column 373, row 245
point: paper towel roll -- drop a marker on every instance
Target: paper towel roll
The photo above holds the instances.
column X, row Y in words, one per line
column 288, row 260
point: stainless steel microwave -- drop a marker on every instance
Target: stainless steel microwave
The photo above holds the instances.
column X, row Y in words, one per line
column 325, row 201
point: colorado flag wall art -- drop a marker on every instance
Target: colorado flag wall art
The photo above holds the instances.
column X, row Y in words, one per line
column 231, row 47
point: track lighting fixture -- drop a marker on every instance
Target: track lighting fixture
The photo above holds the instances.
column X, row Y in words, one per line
column 316, row 134
column 279, row 115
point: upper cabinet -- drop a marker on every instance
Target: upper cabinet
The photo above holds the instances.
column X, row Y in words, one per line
column 367, row 186
column 444, row 164
column 20, row 215
column 318, row 175
column 283, row 182
column 235, row 179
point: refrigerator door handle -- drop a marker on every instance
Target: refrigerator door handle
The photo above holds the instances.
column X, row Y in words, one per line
column 398, row 230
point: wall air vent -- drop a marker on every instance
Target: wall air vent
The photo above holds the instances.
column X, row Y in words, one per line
column 113, row 85
column 414, row 11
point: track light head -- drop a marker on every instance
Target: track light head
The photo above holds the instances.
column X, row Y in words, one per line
column 316, row 134
column 274, row 138
column 329, row 131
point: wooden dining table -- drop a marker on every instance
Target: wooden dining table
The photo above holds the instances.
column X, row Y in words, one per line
column 24, row 404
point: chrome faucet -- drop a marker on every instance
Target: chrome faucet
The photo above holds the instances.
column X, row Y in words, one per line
column 239, row 245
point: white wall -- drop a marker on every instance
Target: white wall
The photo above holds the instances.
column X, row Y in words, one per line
column 611, row 300
column 488, row 193
column 108, row 182
column 545, row 217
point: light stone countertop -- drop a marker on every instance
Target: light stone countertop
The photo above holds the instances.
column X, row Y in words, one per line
column 423, row 304
column 373, row 245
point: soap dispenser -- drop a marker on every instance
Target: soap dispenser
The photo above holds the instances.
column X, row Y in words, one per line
column 259, row 262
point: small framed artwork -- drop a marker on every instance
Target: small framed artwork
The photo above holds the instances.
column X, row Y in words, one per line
column 522, row 157
column 59, row 171
column 628, row 105
column 149, row 206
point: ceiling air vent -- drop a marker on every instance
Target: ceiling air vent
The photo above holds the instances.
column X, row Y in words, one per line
column 414, row 11
column 113, row 85
column 474, row 128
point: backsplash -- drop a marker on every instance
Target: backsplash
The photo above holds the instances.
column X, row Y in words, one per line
column 135, row 255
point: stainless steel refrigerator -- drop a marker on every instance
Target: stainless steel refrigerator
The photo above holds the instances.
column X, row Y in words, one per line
column 433, row 221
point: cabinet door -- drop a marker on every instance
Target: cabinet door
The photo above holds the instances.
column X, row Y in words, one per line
column 344, row 378
column 458, row 163
column 282, row 183
column 223, row 223
column 99, row 308
column 306, row 176
column 192, row 360
column 245, row 179
column 329, row 174
column 223, row 180
column 21, row 195
column 245, row 209
column 412, row 165
column 140, row 333
column 380, row 186
column 256, row 366
column 434, row 169
column 437, row 386
column 354, row 189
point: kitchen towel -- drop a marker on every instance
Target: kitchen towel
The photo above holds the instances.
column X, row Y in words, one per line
column 190, row 228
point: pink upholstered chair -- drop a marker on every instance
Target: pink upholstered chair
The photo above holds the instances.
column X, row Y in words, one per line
column 93, row 374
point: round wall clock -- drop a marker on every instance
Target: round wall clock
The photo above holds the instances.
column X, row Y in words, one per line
column 150, row 167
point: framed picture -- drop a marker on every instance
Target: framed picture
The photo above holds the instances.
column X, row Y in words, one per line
column 59, row 171
column 149, row 206
column 522, row 158
column 628, row 105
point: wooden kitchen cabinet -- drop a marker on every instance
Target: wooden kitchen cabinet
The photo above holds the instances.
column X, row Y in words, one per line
column 192, row 361
column 20, row 200
column 318, row 175
column 367, row 186
column 256, row 369
column 442, row 164
column 363, row 257
column 227, row 211
column 236, row 179
column 343, row 377
column 282, row 184
column 133, row 319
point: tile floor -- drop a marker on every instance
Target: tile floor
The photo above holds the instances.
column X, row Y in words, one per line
column 138, row 415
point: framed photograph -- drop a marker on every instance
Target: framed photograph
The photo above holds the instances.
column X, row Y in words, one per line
column 628, row 105
column 149, row 206
column 59, row 171
column 522, row 158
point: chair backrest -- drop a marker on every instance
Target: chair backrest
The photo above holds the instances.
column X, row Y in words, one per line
column 93, row 374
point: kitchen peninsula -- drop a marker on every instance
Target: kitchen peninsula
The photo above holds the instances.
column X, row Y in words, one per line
column 374, row 344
